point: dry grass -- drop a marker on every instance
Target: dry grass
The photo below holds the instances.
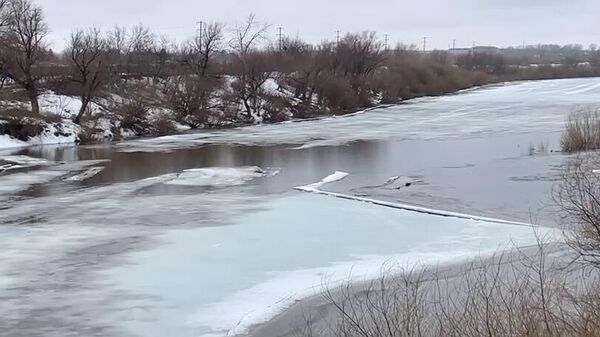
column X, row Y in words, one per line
column 582, row 132
column 511, row 295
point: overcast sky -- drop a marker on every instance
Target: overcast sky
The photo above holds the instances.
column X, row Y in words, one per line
column 488, row 22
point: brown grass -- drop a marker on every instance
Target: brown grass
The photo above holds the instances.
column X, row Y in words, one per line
column 582, row 131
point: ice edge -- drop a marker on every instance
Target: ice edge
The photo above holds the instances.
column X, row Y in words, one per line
column 315, row 188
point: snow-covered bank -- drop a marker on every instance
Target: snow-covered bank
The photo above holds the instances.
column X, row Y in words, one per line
column 100, row 123
column 65, row 132
column 522, row 107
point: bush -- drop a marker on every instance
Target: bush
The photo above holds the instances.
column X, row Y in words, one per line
column 22, row 128
column 21, row 124
column 582, row 131
column 277, row 109
column 163, row 125
column 133, row 115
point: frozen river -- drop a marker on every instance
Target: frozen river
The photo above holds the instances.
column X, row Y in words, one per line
column 203, row 234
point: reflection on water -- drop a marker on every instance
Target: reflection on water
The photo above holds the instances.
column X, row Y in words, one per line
column 490, row 176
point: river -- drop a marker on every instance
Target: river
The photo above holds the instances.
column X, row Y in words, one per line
column 203, row 234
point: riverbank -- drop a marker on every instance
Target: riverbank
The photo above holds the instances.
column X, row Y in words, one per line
column 104, row 123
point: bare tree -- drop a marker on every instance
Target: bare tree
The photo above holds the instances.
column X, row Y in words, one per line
column 251, row 68
column 198, row 53
column 578, row 196
column 117, row 39
column 23, row 45
column 87, row 52
column 247, row 35
column 4, row 14
column 140, row 45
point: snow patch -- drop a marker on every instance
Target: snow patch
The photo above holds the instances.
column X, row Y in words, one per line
column 7, row 142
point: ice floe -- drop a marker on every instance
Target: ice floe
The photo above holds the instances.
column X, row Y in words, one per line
column 87, row 174
column 218, row 176
column 336, row 176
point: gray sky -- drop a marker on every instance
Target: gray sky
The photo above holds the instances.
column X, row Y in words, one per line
column 489, row 22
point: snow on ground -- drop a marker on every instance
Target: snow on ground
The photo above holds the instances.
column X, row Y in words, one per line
column 60, row 105
column 271, row 87
column 55, row 133
column 66, row 132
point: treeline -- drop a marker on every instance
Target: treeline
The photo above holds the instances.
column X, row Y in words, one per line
column 231, row 75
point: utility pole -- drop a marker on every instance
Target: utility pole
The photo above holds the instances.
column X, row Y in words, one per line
column 280, row 38
column 386, row 42
column 454, row 44
column 200, row 31
column 424, row 44
column 337, row 37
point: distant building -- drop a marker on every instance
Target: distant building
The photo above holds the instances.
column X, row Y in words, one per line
column 459, row 51
column 486, row 50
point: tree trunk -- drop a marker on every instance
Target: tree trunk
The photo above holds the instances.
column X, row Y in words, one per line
column 84, row 104
column 33, row 98
column 248, row 108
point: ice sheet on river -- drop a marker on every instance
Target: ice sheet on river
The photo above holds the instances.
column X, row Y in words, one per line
column 542, row 106
column 337, row 176
column 20, row 181
column 220, row 281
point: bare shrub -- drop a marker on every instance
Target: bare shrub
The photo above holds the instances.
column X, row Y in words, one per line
column 193, row 98
column 163, row 125
column 514, row 294
column 22, row 127
column 277, row 109
column 582, row 131
column 134, row 116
